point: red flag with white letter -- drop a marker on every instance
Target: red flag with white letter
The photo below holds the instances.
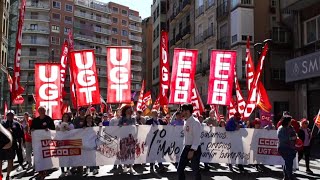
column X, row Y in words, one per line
column 183, row 71
column 252, row 97
column 249, row 66
column 48, row 88
column 156, row 104
column 17, row 89
column 263, row 99
column 164, row 67
column 232, row 109
column 63, row 61
column 140, row 100
column 196, row 101
column 84, row 73
column 118, row 71
column 221, row 78
column 5, row 110
column 240, row 101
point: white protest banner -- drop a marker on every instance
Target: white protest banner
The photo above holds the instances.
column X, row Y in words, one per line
column 144, row 144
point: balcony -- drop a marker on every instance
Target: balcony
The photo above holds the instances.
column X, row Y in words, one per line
column 198, row 39
column 186, row 32
column 209, row 4
column 136, row 68
column 199, row 11
column 223, row 10
column 136, row 78
column 172, row 17
column 36, row 55
column 93, row 17
column 172, row 42
column 208, row 33
column 102, row 30
column 101, row 52
column 223, row 43
column 36, row 17
column 41, row 30
column 178, row 11
column 37, row 6
column 137, row 48
column 93, row 5
column 135, row 18
column 35, row 42
column 135, row 28
column 135, row 38
column 91, row 39
column 178, row 38
column 186, row 5
column 136, row 58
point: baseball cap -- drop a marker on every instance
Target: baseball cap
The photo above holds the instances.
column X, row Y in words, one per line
column 105, row 114
column 11, row 112
column 92, row 109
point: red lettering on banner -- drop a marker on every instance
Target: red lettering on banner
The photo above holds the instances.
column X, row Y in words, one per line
column 221, row 77
column 119, row 67
column 268, row 151
column 61, row 152
column 164, row 64
column 48, row 88
column 268, row 142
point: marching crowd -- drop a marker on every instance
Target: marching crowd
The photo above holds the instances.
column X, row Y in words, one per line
column 16, row 140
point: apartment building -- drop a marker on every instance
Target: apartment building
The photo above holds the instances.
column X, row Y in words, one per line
column 97, row 25
column 302, row 70
column 159, row 18
column 4, row 52
column 204, row 41
column 147, row 42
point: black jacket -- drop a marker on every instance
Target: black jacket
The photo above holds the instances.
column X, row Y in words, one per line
column 301, row 135
column 150, row 122
column 44, row 123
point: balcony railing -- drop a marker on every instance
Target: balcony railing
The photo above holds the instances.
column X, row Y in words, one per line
column 36, row 17
column 102, row 52
column 42, row 6
column 35, row 54
column 135, row 28
column 198, row 39
column 93, row 17
column 209, row 4
column 186, row 3
column 91, row 39
column 223, row 43
column 223, row 10
column 100, row 7
column 136, row 78
column 42, row 30
column 200, row 11
column 136, row 58
column 186, row 31
column 135, row 18
column 136, row 68
column 137, row 48
column 38, row 42
column 135, row 38
column 102, row 30
column 208, row 33
column 178, row 37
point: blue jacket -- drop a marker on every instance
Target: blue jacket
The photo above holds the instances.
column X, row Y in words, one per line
column 232, row 124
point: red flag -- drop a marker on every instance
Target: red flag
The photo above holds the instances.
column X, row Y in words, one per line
column 47, row 88
column 241, row 104
column 140, row 101
column 18, row 100
column 183, row 72
column 231, row 109
column 103, row 105
column 17, row 89
column 85, row 77
column 118, row 70
column 5, row 110
column 70, row 38
column 252, row 97
column 263, row 99
column 221, row 78
column 63, row 62
column 249, row 66
column 317, row 120
column 10, row 81
column 147, row 100
column 164, row 67
column 196, row 101
column 156, row 105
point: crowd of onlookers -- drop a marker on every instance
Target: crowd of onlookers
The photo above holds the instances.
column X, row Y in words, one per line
column 288, row 131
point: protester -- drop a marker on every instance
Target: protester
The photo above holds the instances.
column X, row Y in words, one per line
column 96, row 118
column 201, row 119
column 115, row 122
column 89, row 122
column 286, row 146
column 192, row 148
column 155, row 120
column 78, row 122
column 211, row 120
column 178, row 121
column 27, row 122
column 305, row 135
column 222, row 123
column 6, row 150
column 65, row 125
column 127, row 120
column 139, row 118
column 105, row 120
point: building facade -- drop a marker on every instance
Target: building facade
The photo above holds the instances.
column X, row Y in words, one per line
column 159, row 20
column 302, row 70
column 147, row 42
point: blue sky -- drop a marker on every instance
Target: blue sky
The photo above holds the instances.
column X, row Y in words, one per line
column 143, row 6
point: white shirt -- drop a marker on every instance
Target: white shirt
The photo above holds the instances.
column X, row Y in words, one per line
column 114, row 121
column 192, row 132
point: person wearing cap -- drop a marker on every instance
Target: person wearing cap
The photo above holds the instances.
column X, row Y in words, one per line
column 17, row 134
column 286, row 146
column 26, row 124
column 305, row 135
column 192, row 148
column 139, row 118
column 5, row 149
column 105, row 119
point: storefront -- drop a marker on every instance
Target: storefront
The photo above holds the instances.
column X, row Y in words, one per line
column 304, row 72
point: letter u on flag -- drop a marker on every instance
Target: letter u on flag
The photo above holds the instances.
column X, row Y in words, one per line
column 48, row 88
column 183, row 71
column 222, row 67
column 84, row 74
column 118, row 72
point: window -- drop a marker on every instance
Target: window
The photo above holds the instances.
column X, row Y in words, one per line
column 278, row 74
column 124, row 33
column 115, row 20
column 124, row 22
column 234, row 38
column 66, row 30
column 311, row 31
column 114, row 31
column 153, row 74
column 69, row 7
column 33, row 51
column 33, row 39
column 55, row 40
column 115, row 10
column 56, row 4
column 243, row 68
column 31, row 64
column 56, row 17
column 55, row 28
column 273, row 3
column 244, row 38
column 124, row 12
column 157, row 72
column 114, row 41
column 33, row 26
column 68, row 19
column 123, row 43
